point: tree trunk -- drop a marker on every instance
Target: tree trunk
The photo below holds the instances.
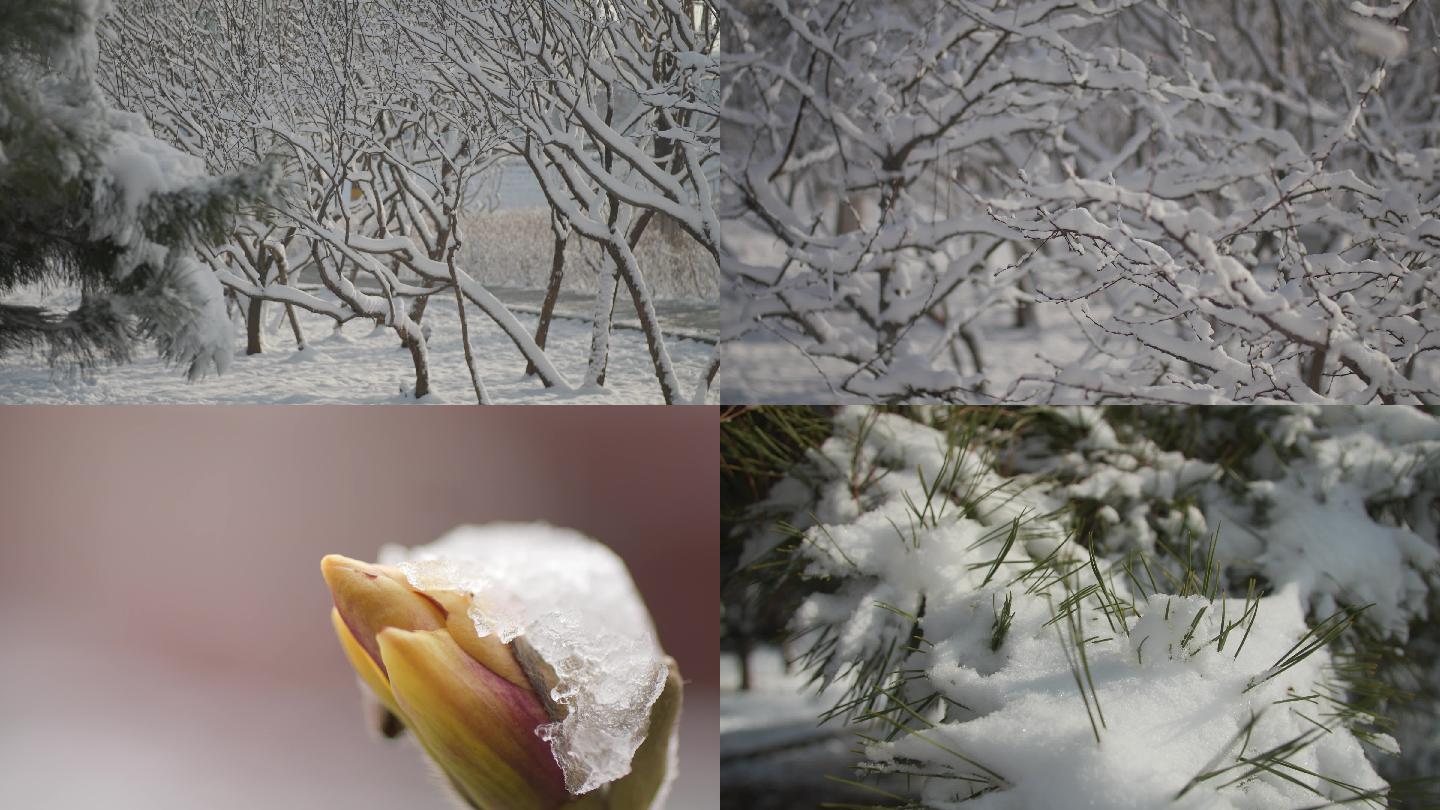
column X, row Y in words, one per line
column 972, row 345
column 1315, row 371
column 742, row 654
column 1024, row 310
column 422, row 366
column 552, row 294
column 283, row 273
column 609, row 326
column 254, row 315
column 633, row 239
column 417, row 307
column 481, row 397
column 295, row 326
column 253, row 323
column 649, row 321
column 706, row 380
column 416, row 345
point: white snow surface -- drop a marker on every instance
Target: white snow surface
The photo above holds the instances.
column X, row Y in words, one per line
column 359, row 364
column 1167, row 720
column 574, row 602
column 1335, row 552
column 138, row 167
column 764, row 367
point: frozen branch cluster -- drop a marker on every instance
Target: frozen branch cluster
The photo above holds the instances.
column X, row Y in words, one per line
column 1079, row 607
column 1220, row 202
column 391, row 119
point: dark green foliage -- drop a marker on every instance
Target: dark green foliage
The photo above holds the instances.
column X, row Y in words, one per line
column 1004, row 615
column 36, row 28
column 63, row 224
column 757, row 447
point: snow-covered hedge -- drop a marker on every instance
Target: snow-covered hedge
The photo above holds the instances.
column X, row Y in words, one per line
column 1206, row 608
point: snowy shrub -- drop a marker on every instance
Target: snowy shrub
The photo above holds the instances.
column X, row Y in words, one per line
column 92, row 201
column 1044, row 200
column 1146, row 608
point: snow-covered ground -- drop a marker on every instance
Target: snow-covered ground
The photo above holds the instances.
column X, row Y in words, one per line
column 1019, row 364
column 364, row 365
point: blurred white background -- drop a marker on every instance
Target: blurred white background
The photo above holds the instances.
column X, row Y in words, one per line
column 164, row 630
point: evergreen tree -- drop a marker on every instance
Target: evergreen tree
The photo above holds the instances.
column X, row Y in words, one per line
column 91, row 201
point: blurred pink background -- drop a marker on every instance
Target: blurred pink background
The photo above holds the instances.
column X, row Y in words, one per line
column 164, row 630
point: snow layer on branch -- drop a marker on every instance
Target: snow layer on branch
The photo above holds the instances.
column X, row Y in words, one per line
column 573, row 601
column 1307, row 520
column 1335, row 552
column 1377, row 38
column 1228, row 221
column 138, row 169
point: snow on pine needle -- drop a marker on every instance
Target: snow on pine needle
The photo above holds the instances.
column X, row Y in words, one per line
column 1074, row 607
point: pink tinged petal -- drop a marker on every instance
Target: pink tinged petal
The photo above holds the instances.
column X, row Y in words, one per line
column 368, row 670
column 477, row 726
column 371, row 598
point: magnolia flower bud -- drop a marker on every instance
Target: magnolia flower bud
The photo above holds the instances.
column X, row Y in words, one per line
column 504, row 724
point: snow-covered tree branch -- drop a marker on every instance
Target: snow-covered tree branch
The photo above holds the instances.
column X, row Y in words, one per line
column 612, row 105
column 1049, row 200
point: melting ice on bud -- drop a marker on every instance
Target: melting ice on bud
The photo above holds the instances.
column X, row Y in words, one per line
column 522, row 659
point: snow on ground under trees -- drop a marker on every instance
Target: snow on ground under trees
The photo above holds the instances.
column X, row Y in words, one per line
column 363, row 364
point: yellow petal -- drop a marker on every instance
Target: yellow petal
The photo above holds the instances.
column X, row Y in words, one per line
column 366, row 668
column 488, row 650
column 371, row 598
column 476, row 725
